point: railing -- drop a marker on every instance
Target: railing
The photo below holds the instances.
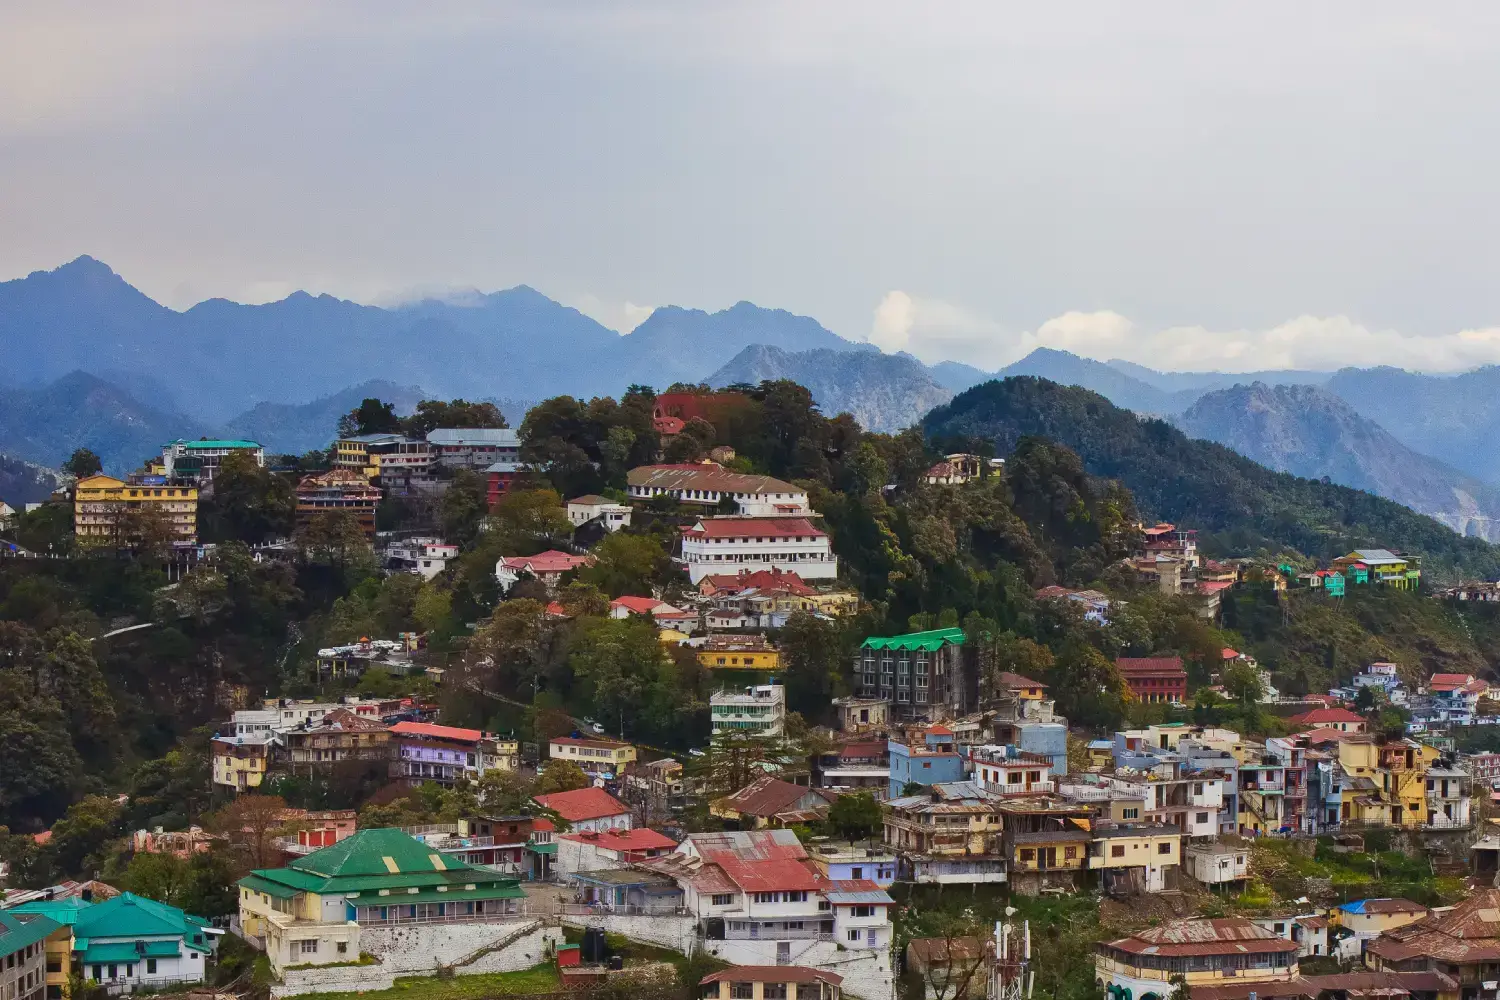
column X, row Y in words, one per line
column 777, row 934
column 1446, row 823
column 120, row 985
column 621, row 909
column 447, row 918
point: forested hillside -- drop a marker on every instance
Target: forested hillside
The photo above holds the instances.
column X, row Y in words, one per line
column 1238, row 505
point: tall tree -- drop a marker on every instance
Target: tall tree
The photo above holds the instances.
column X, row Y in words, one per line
column 82, row 464
column 371, row 416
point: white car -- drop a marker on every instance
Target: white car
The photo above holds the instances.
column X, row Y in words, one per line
column 696, row 753
column 598, row 728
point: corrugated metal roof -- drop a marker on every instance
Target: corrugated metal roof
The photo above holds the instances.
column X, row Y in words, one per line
column 930, row 640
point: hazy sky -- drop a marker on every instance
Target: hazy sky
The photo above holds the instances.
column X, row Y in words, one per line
column 1186, row 185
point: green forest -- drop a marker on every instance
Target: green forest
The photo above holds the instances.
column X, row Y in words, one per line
column 104, row 734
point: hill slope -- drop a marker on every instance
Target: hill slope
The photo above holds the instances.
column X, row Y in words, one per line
column 1242, row 506
column 1310, row 432
column 885, row 392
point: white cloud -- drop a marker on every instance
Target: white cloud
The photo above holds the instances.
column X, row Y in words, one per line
column 622, row 317
column 940, row 331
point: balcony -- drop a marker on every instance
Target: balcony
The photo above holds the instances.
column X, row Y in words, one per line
column 756, row 932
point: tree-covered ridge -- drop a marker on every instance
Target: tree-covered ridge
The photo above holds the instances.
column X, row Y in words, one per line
column 1237, row 505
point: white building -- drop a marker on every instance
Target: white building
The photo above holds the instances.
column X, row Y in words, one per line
column 1214, row 863
column 729, row 545
column 582, row 510
column 474, row 447
column 1308, row 931
column 426, row 557
column 706, row 484
column 757, row 711
column 256, row 723
column 199, row 460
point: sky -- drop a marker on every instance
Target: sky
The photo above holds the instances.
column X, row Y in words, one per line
column 1185, row 185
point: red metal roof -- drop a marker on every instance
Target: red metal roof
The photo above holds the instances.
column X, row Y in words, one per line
column 436, row 732
column 772, row 974
column 1325, row 716
column 766, row 797
column 768, row 876
column 639, row 605
column 1011, row 680
column 755, row 527
column 1142, row 666
column 639, row 839
column 1224, row 936
column 582, row 804
column 551, row 561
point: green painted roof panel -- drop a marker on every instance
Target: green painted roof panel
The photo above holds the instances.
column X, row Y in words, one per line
column 931, row 640
column 16, row 932
column 383, row 851
column 130, row 916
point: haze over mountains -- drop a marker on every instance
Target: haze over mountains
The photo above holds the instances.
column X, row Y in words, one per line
column 93, row 362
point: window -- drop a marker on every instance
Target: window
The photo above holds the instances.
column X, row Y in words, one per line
column 1013, row 778
column 343, row 947
column 129, row 970
column 854, row 935
column 1203, row 817
column 862, row 911
column 773, row 991
column 1281, row 928
column 724, row 899
column 1131, row 813
column 114, row 972
column 1028, row 854
column 1117, row 850
column 1164, row 848
column 308, row 946
column 1070, row 853
column 98, row 973
column 856, row 873
column 150, row 966
column 742, row 991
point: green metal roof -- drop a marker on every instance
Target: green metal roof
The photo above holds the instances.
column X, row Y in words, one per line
column 218, row 444
column 126, row 951
column 542, row 848
column 497, row 890
column 257, row 884
column 371, row 860
column 18, row 931
column 130, row 916
column 64, row 911
column 931, row 640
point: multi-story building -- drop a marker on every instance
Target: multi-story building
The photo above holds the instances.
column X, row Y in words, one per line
column 759, row 710
column 546, row 567
column 1380, row 566
column 844, row 860
column 924, row 675
column 473, row 447
column 339, row 489
column 241, row 762
column 595, row 850
column 862, row 765
column 1382, row 677
column 23, row 954
column 706, row 485
column 1462, row 942
column 739, row 652
column 858, row 715
column 197, row 461
column 394, row 459
column 1045, row 843
column 1483, row 767
column 1134, row 858
column 599, row 757
column 612, row 516
column 338, row 736
column 111, row 512
column 1169, row 541
column 934, row 761
column 719, row 545
column 771, row 982
column 1006, row 770
column 313, row 912
column 426, row 557
column 422, row 752
column 1448, row 798
column 949, row 833
column 1262, row 787
column 1365, row 920
column 861, row 914
column 588, row 809
column 1225, row 951
column 1291, row 753
column 1154, row 679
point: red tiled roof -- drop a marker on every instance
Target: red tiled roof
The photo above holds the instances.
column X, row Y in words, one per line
column 772, row 974
column 939, row 730
column 1140, row 666
column 1324, row 716
column 755, row 527
column 1317, row 736
column 1229, row 654
column 582, row 804
column 772, row 581
column 436, row 732
column 551, row 561
column 639, row 839
column 639, row 605
column 543, row 825
column 1011, row 680
column 1224, row 936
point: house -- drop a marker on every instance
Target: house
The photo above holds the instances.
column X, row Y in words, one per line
column 1095, row 604
column 1341, row 719
column 1380, row 566
column 1217, row 863
column 964, row 848
column 338, row 489
column 628, row 890
column 241, row 762
column 1382, row 677
column 759, row 710
column 936, row 760
column 1045, row 841
column 612, row 848
column 315, row 910
column 660, row 787
column 394, row 459
column 846, row 861
column 337, row 736
column 1006, row 770
column 587, row 809
column 861, row 914
column 106, row 511
column 547, row 567
column 957, row 469
column 498, row 478
column 473, row 447
column 424, row 752
column 1462, row 942
column 599, row 757
column 197, row 461
column 612, row 516
column 426, row 557
column 708, row 484
column 857, row 766
column 1308, row 931
column 1455, row 697
column 1367, row 919
column 1204, row 952
column 24, row 954
column 770, row 982
column 1448, row 798
column 923, row 675
column 1154, row 679
column 858, row 715
column 954, row 968
column 717, row 545
column 739, row 652
column 1133, row 858
column 1022, row 688
column 768, row 801
column 130, row 943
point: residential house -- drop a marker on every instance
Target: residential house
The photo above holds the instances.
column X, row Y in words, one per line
column 1204, row 952
column 1291, row 753
column 1046, row 843
column 498, row 478
column 1154, row 679
column 769, row 801
column 1132, row 859
column 425, row 557
column 423, row 752
column 859, row 715
column 111, row 512
column 1308, row 931
column 1448, row 798
column 547, row 567
column 241, row 762
column 1006, row 770
column 599, row 757
column 24, row 954
column 588, row 809
column 501, row 753
column 856, row 766
column 613, row 848
column 1169, row 541
column 770, row 982
column 758, row 710
column 1382, row 677
column 394, row 459
column 611, row 516
column 716, row 545
column 706, row 484
column 951, row 968
column 473, row 447
column 313, row 911
column 335, row 491
column 1463, row 942
column 1095, row 605
column 1385, row 780
column 659, row 787
column 660, row 612
column 739, row 652
column 843, row 861
column 861, row 914
column 628, row 891
column 948, row 833
column 1341, row 719
column 1262, row 791
column 924, row 675
column 1455, row 697
column 129, row 943
column 936, row 760
column 1364, row 920
column 1216, row 862
column 1380, row 566
column 338, row 736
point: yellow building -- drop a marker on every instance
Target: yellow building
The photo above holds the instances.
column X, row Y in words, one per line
column 102, row 506
column 593, row 755
column 240, row 762
column 739, row 652
column 1386, row 782
column 59, row 944
column 1149, row 849
column 762, row 982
